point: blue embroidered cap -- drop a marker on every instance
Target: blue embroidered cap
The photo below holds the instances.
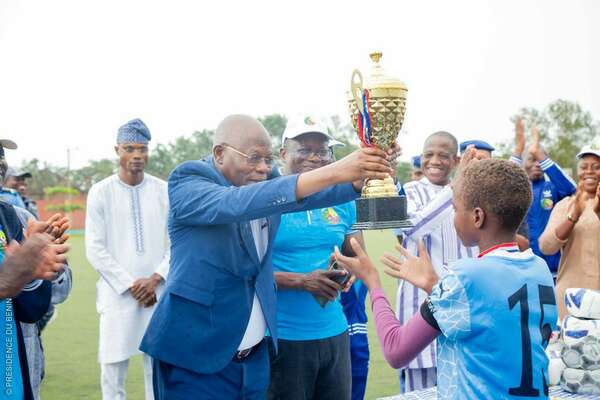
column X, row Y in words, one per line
column 416, row 162
column 479, row 145
column 135, row 131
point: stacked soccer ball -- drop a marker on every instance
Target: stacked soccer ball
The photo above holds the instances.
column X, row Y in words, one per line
column 580, row 335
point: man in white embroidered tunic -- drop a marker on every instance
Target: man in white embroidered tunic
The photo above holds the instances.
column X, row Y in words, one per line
column 127, row 243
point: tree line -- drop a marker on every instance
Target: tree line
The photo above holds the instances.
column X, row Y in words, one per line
column 565, row 127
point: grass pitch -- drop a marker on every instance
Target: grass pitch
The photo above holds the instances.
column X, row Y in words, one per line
column 71, row 340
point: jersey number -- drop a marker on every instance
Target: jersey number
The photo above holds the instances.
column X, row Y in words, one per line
column 546, row 296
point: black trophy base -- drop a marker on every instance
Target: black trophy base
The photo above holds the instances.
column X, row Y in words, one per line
column 381, row 213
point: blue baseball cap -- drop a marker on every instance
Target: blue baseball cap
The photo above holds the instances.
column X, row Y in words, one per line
column 479, row 145
column 416, row 162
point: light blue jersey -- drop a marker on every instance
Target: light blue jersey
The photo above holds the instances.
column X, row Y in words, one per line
column 496, row 315
column 304, row 243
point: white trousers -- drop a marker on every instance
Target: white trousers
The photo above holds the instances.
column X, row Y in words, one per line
column 112, row 379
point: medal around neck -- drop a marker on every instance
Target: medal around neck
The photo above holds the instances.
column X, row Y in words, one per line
column 377, row 108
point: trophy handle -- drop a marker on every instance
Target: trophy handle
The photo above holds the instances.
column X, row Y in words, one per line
column 356, row 88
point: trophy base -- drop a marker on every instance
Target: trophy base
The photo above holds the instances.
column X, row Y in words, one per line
column 381, row 213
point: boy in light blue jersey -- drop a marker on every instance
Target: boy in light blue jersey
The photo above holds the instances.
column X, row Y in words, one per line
column 492, row 315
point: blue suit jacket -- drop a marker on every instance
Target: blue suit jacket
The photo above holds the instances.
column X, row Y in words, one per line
column 215, row 270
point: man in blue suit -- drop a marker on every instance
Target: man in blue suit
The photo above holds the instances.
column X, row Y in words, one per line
column 207, row 333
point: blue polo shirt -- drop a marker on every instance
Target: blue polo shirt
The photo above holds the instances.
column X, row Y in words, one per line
column 303, row 244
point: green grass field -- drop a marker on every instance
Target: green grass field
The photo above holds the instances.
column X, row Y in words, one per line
column 71, row 340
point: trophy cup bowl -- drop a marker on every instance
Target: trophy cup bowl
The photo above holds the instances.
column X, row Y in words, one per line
column 377, row 108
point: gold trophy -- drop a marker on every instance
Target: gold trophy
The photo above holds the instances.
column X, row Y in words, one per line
column 377, row 110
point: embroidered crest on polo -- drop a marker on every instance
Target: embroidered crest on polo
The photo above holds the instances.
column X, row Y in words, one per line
column 331, row 216
column 309, row 121
column 3, row 241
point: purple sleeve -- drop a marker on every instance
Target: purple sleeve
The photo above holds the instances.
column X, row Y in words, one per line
column 400, row 343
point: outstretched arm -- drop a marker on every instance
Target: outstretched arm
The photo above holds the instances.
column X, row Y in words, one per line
column 196, row 199
column 400, row 343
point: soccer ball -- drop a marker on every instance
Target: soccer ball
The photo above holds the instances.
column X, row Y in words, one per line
column 580, row 381
column 583, row 303
column 556, row 366
column 583, row 355
column 574, row 330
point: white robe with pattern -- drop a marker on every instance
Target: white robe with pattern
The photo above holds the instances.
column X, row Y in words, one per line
column 125, row 239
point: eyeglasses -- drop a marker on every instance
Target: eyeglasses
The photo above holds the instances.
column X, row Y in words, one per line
column 133, row 149
column 253, row 159
column 323, row 154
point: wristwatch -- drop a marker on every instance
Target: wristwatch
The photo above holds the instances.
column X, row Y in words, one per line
column 570, row 218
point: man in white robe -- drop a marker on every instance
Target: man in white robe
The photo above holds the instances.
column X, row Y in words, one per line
column 127, row 243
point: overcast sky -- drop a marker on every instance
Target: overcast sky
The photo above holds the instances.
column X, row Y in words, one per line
column 72, row 71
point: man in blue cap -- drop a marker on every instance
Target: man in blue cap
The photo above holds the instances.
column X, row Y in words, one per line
column 416, row 173
column 8, row 195
column 16, row 179
column 483, row 150
column 126, row 241
column 549, row 184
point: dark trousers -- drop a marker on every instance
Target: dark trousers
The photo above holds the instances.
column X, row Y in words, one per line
column 311, row 369
column 245, row 380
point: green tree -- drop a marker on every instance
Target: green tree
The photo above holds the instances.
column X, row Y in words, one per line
column 565, row 127
column 83, row 178
column 275, row 125
column 43, row 175
column 64, row 193
column 165, row 157
column 403, row 171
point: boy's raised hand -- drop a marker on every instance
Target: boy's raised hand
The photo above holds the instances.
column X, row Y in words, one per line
column 360, row 265
column 417, row 270
column 468, row 157
column 535, row 148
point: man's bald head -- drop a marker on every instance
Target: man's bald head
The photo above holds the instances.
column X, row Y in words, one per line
column 241, row 131
column 239, row 141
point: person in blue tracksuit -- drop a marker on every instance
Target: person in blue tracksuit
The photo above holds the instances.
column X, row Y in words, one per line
column 353, row 302
column 549, row 184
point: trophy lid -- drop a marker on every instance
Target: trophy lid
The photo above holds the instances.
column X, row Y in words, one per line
column 380, row 84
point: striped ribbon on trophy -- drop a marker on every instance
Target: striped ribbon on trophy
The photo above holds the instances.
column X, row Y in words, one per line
column 364, row 121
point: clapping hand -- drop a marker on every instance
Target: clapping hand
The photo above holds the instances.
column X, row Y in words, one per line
column 37, row 258
column 417, row 270
column 596, row 204
column 55, row 226
column 577, row 205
